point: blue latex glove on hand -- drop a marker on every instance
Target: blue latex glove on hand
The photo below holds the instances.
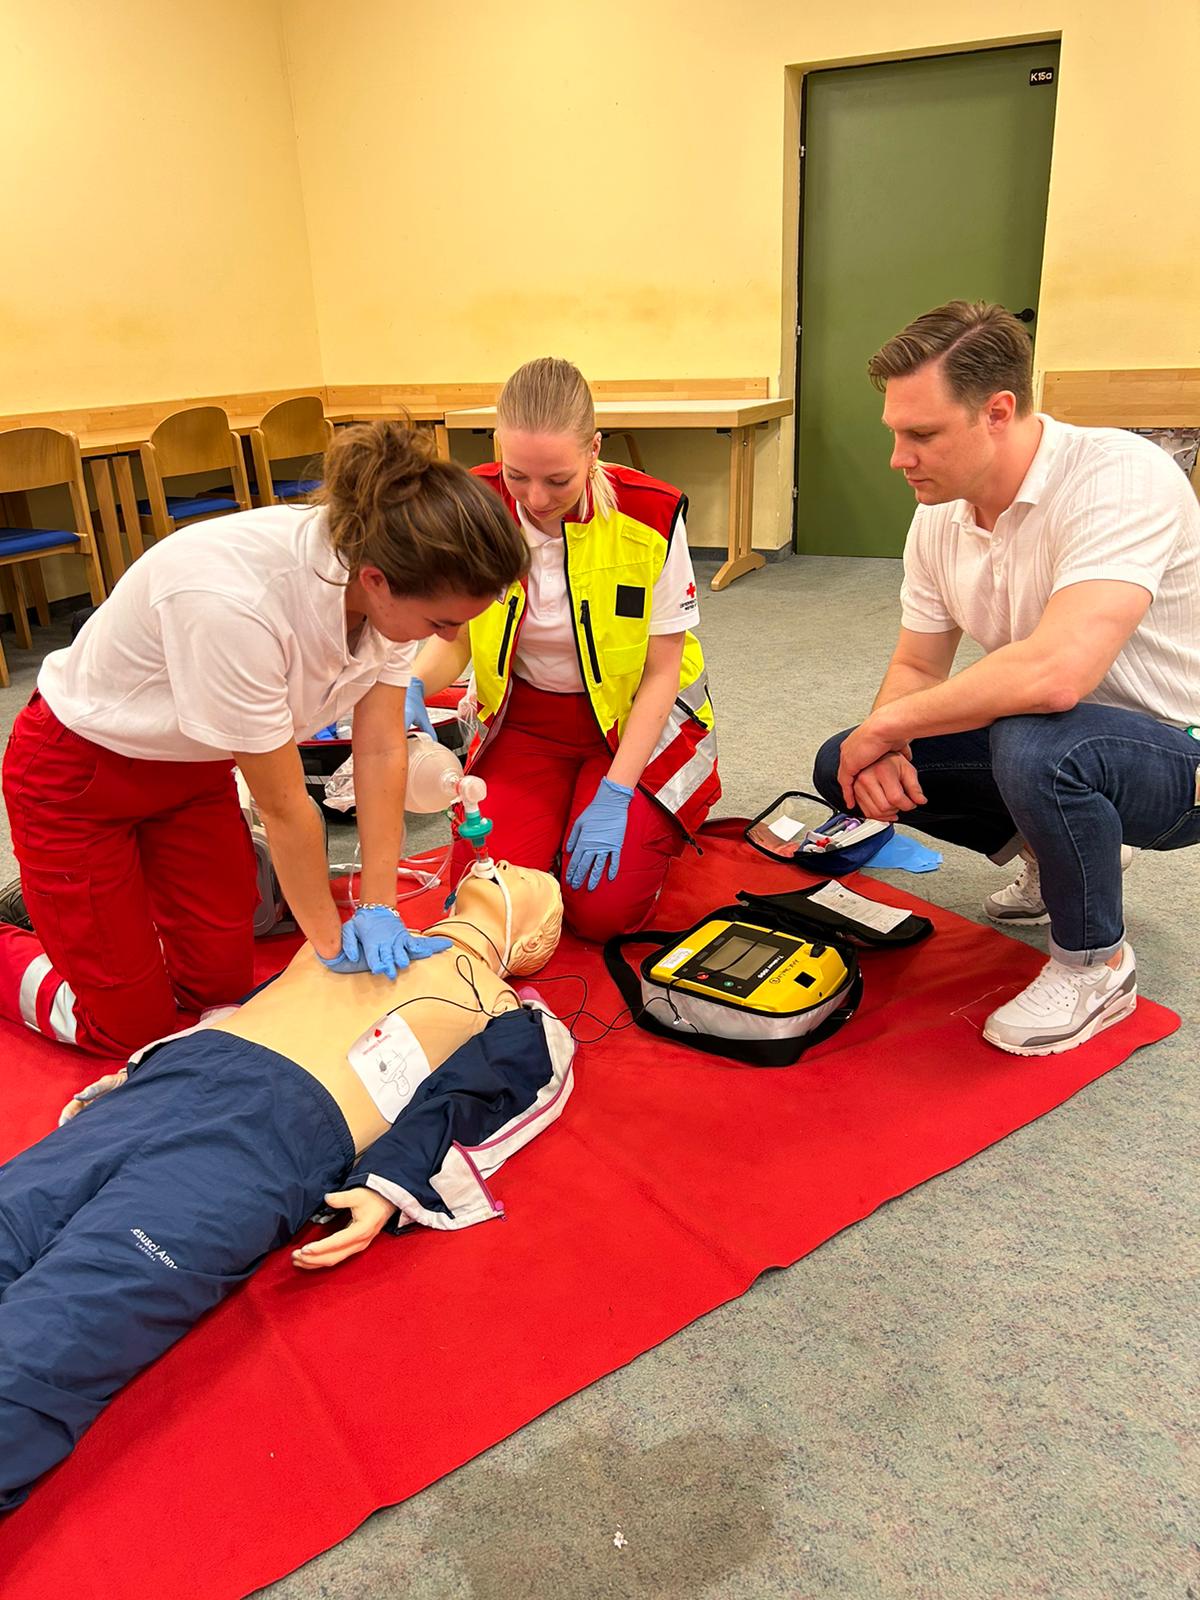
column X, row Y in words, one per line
column 415, row 714
column 375, row 940
column 598, row 834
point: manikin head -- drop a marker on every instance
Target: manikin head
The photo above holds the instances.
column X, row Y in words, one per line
column 958, row 397
column 536, row 917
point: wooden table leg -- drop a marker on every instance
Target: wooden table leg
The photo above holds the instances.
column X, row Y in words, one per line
column 37, row 590
column 441, row 440
column 110, row 528
column 130, row 514
column 741, row 557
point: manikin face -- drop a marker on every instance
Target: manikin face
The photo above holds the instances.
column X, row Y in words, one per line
column 546, row 473
column 402, row 618
column 536, row 901
column 945, row 451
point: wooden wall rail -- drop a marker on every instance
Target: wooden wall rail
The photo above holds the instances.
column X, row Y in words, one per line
column 1148, row 397
column 371, row 396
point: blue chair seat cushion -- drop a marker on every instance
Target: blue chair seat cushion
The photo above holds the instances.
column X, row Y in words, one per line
column 294, row 488
column 28, row 541
column 208, row 503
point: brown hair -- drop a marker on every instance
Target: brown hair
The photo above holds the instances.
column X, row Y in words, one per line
column 982, row 349
column 427, row 524
column 550, row 395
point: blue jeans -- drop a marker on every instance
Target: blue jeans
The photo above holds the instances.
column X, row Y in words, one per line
column 1074, row 786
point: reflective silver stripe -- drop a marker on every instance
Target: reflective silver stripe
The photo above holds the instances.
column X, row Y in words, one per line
column 62, row 1014
column 678, row 790
column 31, row 982
column 695, row 695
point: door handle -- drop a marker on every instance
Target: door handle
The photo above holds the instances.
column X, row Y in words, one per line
column 1025, row 316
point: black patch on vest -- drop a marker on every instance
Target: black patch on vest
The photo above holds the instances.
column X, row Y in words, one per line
column 631, row 602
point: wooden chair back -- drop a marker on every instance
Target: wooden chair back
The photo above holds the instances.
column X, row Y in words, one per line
column 30, row 459
column 292, row 429
column 198, row 439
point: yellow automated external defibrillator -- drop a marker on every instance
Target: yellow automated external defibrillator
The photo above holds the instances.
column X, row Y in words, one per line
column 762, row 969
column 762, row 980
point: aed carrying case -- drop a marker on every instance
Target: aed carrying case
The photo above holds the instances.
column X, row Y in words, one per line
column 762, row 980
column 799, row 829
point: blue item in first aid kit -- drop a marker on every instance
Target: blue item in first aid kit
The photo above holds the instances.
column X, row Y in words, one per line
column 799, row 829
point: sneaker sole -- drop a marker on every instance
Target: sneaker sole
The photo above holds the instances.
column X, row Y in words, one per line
column 1026, row 919
column 1102, row 1020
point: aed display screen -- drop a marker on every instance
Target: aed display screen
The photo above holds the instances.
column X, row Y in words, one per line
column 736, row 957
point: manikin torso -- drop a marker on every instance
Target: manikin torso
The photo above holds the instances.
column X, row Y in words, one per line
column 313, row 1016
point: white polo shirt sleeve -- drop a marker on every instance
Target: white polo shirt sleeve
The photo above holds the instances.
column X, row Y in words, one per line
column 673, row 604
column 398, row 668
column 227, row 671
column 923, row 607
column 1118, row 523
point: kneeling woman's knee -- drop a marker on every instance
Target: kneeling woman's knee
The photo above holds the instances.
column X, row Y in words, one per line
column 596, row 916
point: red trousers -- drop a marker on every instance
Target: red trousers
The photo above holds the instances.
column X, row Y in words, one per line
column 542, row 768
column 139, row 878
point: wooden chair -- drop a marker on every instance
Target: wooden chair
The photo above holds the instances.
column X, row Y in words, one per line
column 192, row 441
column 40, row 458
column 293, row 430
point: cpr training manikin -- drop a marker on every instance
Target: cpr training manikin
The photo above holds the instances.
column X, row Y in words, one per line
column 392, row 1101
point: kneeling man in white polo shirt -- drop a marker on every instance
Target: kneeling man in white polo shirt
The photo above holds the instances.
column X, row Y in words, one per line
column 1072, row 556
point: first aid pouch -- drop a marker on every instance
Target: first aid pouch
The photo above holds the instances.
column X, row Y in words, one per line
column 799, row 829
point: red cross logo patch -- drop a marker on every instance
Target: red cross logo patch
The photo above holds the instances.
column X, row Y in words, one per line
column 691, row 591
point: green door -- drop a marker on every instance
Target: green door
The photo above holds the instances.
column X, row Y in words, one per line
column 924, row 181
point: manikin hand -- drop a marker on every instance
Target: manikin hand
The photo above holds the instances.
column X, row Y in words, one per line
column 111, row 1080
column 598, row 833
column 368, row 1213
column 887, row 787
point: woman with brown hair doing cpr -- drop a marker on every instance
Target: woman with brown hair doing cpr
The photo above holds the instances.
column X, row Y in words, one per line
column 225, row 643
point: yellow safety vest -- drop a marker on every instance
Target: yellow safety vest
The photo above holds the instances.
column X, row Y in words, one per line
column 612, row 564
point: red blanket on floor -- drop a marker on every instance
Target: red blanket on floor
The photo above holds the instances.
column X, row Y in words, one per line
column 671, row 1182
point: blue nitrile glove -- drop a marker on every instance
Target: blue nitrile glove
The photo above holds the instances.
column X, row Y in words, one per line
column 597, row 835
column 375, row 940
column 415, row 714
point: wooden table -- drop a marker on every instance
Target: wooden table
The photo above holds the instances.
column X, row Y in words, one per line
column 110, row 451
column 741, row 417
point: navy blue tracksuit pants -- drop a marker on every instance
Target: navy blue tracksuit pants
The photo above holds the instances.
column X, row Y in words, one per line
column 119, row 1230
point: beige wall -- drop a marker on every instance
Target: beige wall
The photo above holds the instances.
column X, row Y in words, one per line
column 489, row 181
column 154, row 241
column 251, row 194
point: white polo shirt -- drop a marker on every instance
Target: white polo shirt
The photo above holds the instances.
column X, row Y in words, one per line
column 546, row 654
column 1095, row 503
column 229, row 635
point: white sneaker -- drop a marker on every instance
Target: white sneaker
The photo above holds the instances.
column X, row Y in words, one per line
column 1021, row 900
column 1063, row 1007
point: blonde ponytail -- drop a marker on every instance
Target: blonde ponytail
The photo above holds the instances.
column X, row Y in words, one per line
column 551, row 395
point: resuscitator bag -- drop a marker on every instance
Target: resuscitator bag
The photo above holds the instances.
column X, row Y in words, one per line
column 762, row 980
column 798, row 828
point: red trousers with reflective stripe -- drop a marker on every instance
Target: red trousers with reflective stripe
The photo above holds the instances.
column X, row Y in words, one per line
column 542, row 768
column 139, row 878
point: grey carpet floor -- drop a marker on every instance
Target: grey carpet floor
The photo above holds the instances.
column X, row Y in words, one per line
column 985, row 1391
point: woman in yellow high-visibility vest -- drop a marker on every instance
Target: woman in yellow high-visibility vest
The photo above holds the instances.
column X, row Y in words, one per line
column 595, row 725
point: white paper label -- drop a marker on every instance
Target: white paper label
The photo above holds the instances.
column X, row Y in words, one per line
column 785, row 828
column 676, row 958
column 857, row 908
column 391, row 1063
